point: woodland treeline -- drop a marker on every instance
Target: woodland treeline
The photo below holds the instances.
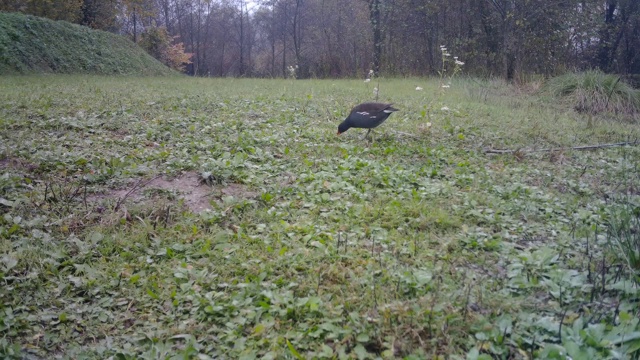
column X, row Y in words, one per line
column 346, row 38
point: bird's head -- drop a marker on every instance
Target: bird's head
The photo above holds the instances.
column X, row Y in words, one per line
column 344, row 126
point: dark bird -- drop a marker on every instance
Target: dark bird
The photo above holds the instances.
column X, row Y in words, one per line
column 366, row 116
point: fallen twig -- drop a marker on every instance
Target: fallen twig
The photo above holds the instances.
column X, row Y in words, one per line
column 138, row 185
column 583, row 147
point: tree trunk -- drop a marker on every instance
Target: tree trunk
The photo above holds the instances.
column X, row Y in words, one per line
column 374, row 18
column 199, row 39
column 206, row 42
column 508, row 57
column 241, row 69
column 192, row 41
column 135, row 26
column 273, row 39
column 167, row 22
column 284, row 40
column 302, row 69
column 605, row 51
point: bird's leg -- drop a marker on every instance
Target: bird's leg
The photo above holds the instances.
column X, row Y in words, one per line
column 367, row 134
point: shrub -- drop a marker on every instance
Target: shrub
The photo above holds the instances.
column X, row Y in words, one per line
column 157, row 42
column 595, row 92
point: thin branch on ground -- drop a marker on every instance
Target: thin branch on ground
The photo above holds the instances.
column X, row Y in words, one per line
column 135, row 187
column 583, row 147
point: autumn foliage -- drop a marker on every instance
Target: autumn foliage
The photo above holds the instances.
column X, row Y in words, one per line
column 157, row 42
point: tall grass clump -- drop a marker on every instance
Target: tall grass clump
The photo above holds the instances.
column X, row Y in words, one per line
column 594, row 92
column 624, row 237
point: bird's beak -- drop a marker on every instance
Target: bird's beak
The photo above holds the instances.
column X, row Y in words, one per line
column 338, row 133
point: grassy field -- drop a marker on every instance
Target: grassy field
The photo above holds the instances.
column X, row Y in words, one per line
column 146, row 218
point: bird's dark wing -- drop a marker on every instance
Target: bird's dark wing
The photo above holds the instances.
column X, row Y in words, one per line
column 371, row 107
column 361, row 117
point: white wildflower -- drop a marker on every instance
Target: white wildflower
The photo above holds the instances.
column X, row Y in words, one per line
column 367, row 80
column 458, row 62
column 375, row 91
column 428, row 124
column 444, row 108
column 292, row 70
column 446, row 86
column 418, row 88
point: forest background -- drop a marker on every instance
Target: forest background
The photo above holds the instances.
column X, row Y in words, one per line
column 512, row 39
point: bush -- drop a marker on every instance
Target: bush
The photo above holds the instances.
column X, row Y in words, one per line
column 595, row 92
column 157, row 42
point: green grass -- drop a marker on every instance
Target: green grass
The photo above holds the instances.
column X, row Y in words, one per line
column 595, row 92
column 624, row 227
column 316, row 246
column 31, row 45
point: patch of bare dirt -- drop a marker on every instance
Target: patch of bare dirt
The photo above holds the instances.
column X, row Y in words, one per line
column 189, row 188
column 16, row 164
column 197, row 196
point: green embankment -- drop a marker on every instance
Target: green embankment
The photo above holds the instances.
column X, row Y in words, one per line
column 30, row 44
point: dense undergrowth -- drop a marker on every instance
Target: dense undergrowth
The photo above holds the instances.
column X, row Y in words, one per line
column 419, row 245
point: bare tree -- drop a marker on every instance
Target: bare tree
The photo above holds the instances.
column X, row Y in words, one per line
column 332, row 38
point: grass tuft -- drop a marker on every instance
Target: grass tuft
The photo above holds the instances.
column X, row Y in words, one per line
column 594, row 92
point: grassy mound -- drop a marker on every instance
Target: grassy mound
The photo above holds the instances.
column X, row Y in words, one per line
column 30, row 44
column 595, row 92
